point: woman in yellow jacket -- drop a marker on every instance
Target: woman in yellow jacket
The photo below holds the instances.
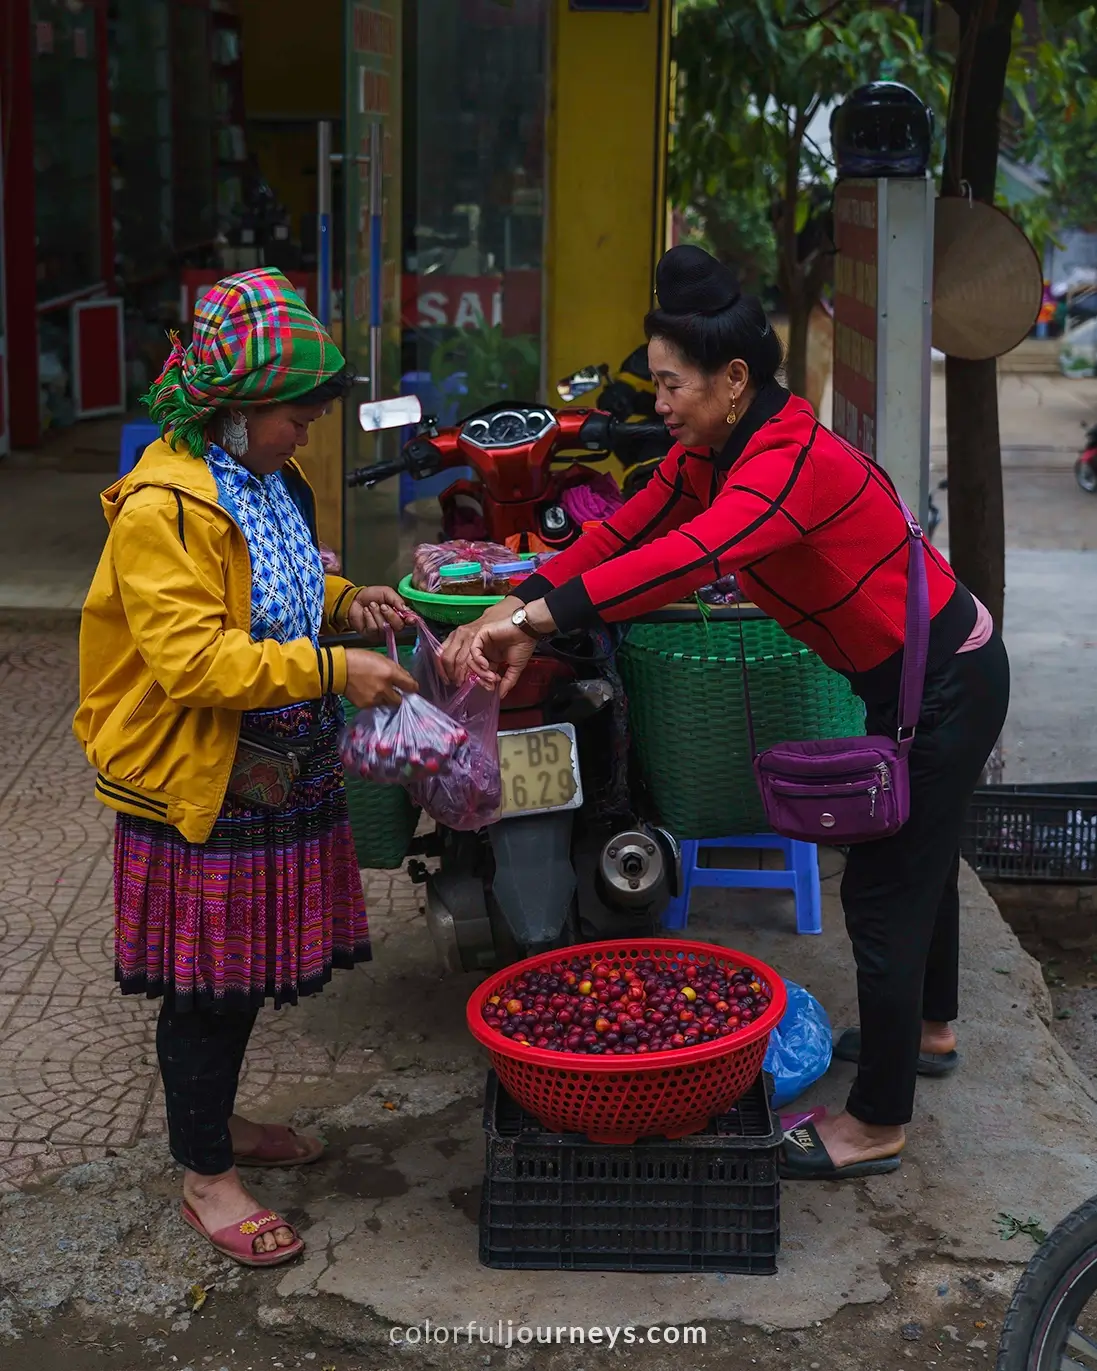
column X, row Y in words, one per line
column 210, row 711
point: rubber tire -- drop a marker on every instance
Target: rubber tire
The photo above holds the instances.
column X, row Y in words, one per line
column 1085, row 473
column 1070, row 1248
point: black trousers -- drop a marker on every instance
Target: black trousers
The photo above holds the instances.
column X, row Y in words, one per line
column 900, row 893
column 201, row 1052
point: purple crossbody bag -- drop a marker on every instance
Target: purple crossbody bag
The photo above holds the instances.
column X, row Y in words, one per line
column 851, row 790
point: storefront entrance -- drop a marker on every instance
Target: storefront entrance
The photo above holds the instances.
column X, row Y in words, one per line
column 445, row 241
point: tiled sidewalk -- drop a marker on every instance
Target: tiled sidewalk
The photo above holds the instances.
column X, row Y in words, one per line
column 77, row 1061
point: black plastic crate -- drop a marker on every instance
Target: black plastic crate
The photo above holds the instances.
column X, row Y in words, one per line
column 1034, row 833
column 557, row 1201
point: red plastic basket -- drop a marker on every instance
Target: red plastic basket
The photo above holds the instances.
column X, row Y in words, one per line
column 620, row 1099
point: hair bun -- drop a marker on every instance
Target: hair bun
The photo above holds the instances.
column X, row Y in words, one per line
column 689, row 280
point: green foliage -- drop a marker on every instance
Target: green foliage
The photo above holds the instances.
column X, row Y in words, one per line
column 752, row 75
column 1053, row 90
column 497, row 366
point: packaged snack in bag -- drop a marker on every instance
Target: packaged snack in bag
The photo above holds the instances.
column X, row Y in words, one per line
column 725, row 591
column 430, row 558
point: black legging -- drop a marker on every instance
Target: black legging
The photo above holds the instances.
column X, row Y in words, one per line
column 201, row 1052
column 900, row 894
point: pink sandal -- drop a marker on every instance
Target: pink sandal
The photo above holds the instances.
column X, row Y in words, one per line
column 237, row 1240
column 278, row 1148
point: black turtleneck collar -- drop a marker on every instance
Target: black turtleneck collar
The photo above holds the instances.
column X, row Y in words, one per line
column 766, row 405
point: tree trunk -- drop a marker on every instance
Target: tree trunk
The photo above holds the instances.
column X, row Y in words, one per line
column 796, row 364
column 790, row 276
column 975, row 505
column 976, row 514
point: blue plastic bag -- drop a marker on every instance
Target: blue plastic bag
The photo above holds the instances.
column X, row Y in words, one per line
column 800, row 1047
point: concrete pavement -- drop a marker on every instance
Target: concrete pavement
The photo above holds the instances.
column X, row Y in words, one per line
column 89, row 1222
column 389, row 1216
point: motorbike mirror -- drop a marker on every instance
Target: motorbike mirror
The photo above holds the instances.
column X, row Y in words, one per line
column 401, row 412
column 582, row 383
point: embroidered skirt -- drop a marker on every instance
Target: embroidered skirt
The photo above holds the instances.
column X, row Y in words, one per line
column 264, row 909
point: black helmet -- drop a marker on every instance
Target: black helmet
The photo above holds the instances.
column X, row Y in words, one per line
column 882, row 129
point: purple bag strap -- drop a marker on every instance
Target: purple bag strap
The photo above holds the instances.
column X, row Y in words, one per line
column 912, row 679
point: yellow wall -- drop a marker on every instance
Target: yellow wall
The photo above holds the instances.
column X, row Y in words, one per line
column 607, row 131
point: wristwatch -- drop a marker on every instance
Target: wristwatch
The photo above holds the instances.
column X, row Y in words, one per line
column 520, row 619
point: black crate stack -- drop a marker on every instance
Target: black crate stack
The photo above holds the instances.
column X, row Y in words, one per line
column 558, row 1202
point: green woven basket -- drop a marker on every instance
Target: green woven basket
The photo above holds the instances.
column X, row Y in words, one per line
column 383, row 819
column 688, row 718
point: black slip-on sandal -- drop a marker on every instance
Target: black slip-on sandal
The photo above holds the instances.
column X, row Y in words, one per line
column 848, row 1049
column 805, row 1158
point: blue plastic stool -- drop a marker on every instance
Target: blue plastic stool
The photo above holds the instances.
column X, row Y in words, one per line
column 135, row 439
column 801, row 875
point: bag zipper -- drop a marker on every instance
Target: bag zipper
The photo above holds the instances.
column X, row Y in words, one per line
column 839, row 774
column 851, row 788
column 823, row 791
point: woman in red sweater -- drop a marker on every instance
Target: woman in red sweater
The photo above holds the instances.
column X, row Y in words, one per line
column 816, row 534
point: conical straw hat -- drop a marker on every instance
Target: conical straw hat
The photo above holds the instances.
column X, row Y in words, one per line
column 987, row 283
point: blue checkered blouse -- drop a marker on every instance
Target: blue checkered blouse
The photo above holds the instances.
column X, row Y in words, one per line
column 287, row 575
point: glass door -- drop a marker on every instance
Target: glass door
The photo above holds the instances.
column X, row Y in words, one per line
column 372, row 163
column 445, row 242
column 474, row 222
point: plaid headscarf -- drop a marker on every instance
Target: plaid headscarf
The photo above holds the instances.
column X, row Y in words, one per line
column 255, row 343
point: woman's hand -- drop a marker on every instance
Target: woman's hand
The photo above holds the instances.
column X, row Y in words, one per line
column 499, row 653
column 376, row 680
column 455, row 663
column 373, row 609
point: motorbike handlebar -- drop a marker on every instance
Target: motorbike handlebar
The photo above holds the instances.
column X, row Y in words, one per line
column 655, row 429
column 368, row 477
column 601, row 431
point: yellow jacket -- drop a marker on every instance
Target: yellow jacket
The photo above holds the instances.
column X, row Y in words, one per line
column 167, row 663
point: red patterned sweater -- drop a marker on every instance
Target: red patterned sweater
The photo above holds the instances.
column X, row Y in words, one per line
column 812, row 528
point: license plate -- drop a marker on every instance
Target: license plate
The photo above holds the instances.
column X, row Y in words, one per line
column 540, row 770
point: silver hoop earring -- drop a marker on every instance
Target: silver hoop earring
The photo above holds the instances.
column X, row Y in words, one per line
column 234, row 434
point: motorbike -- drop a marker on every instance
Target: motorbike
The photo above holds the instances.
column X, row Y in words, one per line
column 629, row 397
column 524, row 458
column 1085, row 468
column 571, row 859
column 1049, row 1325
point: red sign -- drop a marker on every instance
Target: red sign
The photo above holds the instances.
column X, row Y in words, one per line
column 98, row 358
column 512, row 299
column 452, row 301
column 855, row 317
